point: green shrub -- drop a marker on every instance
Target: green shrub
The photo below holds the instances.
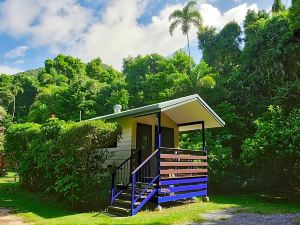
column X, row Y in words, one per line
column 272, row 155
column 225, row 173
column 64, row 159
column 17, row 146
column 223, row 170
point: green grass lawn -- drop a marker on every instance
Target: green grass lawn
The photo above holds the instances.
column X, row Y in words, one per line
column 35, row 210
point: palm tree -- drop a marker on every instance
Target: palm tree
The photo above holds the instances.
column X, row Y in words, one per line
column 277, row 6
column 186, row 17
column 16, row 89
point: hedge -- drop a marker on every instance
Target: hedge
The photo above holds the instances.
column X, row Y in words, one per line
column 64, row 159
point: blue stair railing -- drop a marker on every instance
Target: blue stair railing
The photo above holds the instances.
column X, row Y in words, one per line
column 120, row 178
column 145, row 176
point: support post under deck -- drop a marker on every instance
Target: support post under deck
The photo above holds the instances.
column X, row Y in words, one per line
column 203, row 136
column 158, row 207
column 206, row 198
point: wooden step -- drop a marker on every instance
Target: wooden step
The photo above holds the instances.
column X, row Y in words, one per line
column 125, row 202
column 119, row 210
column 137, row 190
column 142, row 184
column 128, row 195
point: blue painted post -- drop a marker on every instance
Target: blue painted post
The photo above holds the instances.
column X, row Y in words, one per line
column 206, row 199
column 158, row 207
column 203, row 136
column 132, row 194
column 159, row 130
column 112, row 189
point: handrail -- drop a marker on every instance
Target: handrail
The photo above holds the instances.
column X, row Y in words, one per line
column 115, row 174
column 148, row 186
column 145, row 161
column 144, row 171
column 126, row 160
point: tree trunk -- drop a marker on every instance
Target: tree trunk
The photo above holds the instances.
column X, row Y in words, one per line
column 188, row 41
column 14, row 108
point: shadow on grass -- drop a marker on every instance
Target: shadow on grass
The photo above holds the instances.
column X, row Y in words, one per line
column 19, row 201
column 53, row 212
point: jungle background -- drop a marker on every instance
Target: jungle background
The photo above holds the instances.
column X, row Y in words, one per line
column 249, row 75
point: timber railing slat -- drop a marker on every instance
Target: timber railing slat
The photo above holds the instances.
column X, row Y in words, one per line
column 183, row 164
column 171, row 171
column 180, row 176
column 174, row 156
column 178, row 149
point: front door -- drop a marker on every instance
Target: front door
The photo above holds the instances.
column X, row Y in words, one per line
column 144, row 143
column 144, row 140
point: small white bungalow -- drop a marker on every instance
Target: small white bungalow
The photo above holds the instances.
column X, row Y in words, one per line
column 149, row 161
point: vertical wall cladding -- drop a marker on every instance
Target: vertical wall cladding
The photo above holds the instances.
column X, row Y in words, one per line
column 123, row 149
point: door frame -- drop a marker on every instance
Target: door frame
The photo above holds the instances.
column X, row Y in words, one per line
column 149, row 151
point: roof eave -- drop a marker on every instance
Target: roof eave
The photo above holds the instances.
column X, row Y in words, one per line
column 211, row 111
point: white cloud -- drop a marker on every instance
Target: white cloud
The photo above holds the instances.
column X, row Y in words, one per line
column 54, row 23
column 16, row 16
column 66, row 26
column 8, row 70
column 60, row 23
column 17, row 52
column 213, row 17
column 117, row 37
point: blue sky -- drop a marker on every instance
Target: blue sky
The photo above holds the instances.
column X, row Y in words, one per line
column 33, row 30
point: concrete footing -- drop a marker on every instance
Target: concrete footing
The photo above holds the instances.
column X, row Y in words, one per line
column 158, row 208
column 206, row 199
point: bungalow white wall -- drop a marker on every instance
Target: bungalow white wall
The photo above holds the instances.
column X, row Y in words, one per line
column 123, row 149
column 127, row 144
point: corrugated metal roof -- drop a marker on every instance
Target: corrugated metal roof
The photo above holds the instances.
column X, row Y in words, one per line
column 157, row 107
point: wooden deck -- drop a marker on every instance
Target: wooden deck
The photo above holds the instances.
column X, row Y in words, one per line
column 183, row 174
column 168, row 174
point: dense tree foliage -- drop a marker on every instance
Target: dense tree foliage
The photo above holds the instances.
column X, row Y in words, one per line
column 295, row 17
column 264, row 72
column 65, row 87
column 242, row 73
column 221, row 50
column 273, row 152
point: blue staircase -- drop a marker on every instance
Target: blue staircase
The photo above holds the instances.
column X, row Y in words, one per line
column 168, row 174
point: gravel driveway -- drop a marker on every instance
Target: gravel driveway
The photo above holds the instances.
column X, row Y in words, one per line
column 6, row 218
column 231, row 217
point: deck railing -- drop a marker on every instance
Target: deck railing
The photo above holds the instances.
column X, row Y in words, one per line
column 144, row 177
column 183, row 174
column 120, row 178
